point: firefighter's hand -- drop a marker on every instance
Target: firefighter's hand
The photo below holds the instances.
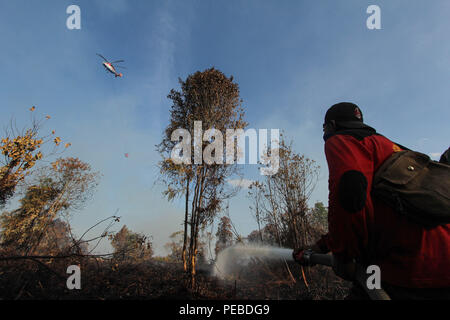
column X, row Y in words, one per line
column 303, row 255
column 298, row 256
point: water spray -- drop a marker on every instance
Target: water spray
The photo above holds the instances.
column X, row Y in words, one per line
column 241, row 255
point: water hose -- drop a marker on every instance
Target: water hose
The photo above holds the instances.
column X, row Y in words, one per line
column 361, row 276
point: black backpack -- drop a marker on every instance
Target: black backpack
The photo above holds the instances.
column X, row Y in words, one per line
column 416, row 187
column 445, row 158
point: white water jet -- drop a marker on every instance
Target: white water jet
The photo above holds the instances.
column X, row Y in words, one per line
column 239, row 256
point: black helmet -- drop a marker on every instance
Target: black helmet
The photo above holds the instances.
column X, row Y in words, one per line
column 346, row 115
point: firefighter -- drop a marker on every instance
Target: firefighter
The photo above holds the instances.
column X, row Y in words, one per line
column 414, row 261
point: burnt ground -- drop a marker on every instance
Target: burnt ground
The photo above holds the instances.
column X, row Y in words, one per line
column 109, row 280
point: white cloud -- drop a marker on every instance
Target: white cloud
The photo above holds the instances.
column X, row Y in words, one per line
column 243, row 183
column 435, row 155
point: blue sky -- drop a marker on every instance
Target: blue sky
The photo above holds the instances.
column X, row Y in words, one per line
column 292, row 60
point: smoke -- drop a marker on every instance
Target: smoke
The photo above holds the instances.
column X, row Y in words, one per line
column 234, row 258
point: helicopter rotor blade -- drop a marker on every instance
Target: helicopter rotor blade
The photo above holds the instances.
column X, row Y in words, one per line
column 120, row 67
column 102, row 57
column 118, row 61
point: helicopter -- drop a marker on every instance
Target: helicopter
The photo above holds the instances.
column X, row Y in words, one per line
column 110, row 67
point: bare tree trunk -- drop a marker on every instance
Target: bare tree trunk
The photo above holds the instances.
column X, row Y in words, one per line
column 186, row 216
column 191, row 240
column 194, row 225
column 194, row 213
column 274, row 213
column 296, row 239
column 197, row 221
column 258, row 221
column 194, row 257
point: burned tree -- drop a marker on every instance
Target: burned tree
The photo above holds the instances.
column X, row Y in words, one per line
column 280, row 201
column 224, row 235
column 208, row 101
column 64, row 186
column 131, row 246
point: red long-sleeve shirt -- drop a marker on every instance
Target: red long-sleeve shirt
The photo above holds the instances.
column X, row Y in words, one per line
column 364, row 228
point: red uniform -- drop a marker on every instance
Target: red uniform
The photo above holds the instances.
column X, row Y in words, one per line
column 364, row 228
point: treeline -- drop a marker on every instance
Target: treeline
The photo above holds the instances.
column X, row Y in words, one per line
column 44, row 190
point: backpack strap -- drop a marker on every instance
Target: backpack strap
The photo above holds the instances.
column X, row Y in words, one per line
column 398, row 144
